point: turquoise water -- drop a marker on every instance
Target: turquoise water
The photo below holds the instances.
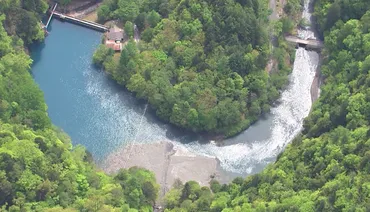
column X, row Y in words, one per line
column 102, row 116
column 81, row 99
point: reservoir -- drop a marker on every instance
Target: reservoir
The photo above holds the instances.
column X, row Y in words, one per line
column 102, row 116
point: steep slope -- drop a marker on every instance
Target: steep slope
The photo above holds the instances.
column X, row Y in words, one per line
column 39, row 168
column 327, row 167
column 200, row 63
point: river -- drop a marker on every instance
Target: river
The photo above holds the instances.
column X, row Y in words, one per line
column 102, row 116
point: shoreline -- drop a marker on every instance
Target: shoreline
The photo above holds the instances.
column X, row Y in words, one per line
column 316, row 83
column 165, row 159
column 81, row 14
column 168, row 161
column 81, row 9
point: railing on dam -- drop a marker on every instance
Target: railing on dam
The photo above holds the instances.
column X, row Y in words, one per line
column 309, row 43
column 89, row 24
column 85, row 23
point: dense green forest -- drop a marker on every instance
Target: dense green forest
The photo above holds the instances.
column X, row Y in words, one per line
column 327, row 167
column 39, row 168
column 200, row 63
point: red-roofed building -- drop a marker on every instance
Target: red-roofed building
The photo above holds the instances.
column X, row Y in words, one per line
column 114, row 38
column 116, row 46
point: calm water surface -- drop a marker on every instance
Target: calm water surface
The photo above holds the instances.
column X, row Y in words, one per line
column 102, row 116
column 82, row 100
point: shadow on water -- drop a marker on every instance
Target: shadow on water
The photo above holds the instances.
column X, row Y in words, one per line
column 92, row 108
column 36, row 55
column 138, row 105
column 103, row 116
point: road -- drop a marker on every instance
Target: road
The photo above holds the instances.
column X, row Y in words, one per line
column 274, row 15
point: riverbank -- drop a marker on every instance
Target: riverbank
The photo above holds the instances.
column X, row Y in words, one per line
column 100, row 115
column 88, row 13
column 169, row 162
column 277, row 12
column 82, row 9
column 316, row 83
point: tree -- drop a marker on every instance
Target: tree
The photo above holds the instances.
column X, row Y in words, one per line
column 190, row 191
column 150, row 192
column 127, row 10
column 153, row 18
column 38, row 6
column 147, row 35
column 129, row 29
column 237, row 63
column 39, row 169
column 103, row 13
column 140, row 21
column 208, row 43
column 102, row 54
column 26, row 25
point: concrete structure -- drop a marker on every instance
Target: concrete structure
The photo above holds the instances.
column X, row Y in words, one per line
column 75, row 20
column 85, row 23
column 309, row 43
column 51, row 16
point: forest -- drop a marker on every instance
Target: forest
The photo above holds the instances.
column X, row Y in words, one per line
column 200, row 63
column 40, row 170
column 325, row 168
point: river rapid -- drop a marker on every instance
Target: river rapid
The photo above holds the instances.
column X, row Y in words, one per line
column 102, row 116
column 259, row 145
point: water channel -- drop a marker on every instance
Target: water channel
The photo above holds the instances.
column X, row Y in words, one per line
column 102, row 116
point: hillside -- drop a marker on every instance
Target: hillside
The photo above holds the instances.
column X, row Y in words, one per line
column 39, row 168
column 200, row 63
column 327, row 167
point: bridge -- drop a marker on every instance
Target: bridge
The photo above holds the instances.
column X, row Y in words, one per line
column 51, row 16
column 309, row 43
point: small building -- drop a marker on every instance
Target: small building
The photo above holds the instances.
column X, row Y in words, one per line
column 115, row 34
column 115, row 45
column 114, row 38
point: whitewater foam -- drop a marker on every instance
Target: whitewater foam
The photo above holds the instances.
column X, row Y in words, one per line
column 295, row 103
column 125, row 124
column 287, row 118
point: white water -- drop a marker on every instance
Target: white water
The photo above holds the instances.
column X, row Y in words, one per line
column 104, row 118
column 249, row 156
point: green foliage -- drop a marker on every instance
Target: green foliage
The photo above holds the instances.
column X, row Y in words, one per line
column 24, row 24
column 192, row 65
column 102, row 54
column 103, row 13
column 127, row 10
column 22, row 19
column 129, row 29
column 39, row 169
column 187, row 76
column 64, row 2
column 153, row 18
column 37, row 6
column 142, row 13
column 20, row 99
column 293, row 8
column 327, row 167
column 328, row 12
